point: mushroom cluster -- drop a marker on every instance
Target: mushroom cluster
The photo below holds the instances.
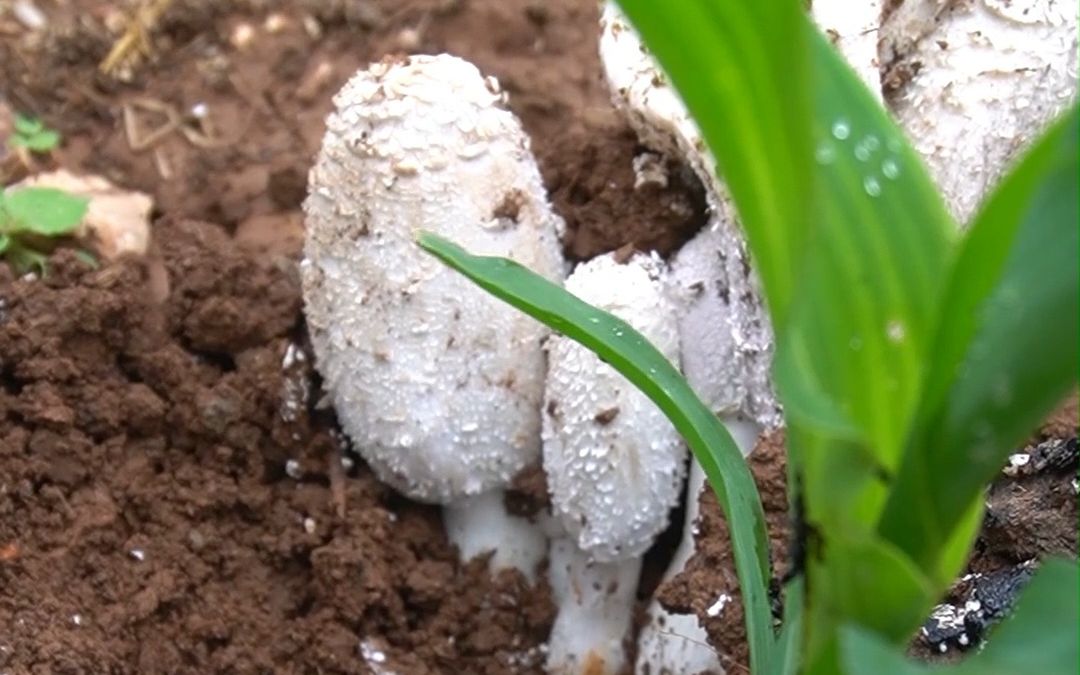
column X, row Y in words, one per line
column 448, row 393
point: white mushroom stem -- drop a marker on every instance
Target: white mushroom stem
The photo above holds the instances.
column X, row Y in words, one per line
column 614, row 465
column 976, row 82
column 853, row 28
column 437, row 384
column 677, row 643
column 481, row 524
column 596, row 607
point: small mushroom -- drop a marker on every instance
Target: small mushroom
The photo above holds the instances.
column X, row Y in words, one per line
column 614, row 464
column 973, row 83
column 437, row 384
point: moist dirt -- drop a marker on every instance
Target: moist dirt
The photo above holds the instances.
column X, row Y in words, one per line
column 173, row 496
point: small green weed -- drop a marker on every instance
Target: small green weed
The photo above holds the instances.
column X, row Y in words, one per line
column 31, row 218
column 32, row 134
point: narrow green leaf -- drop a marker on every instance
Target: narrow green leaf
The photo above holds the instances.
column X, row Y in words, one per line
column 45, row 211
column 5, row 241
column 1006, row 346
column 626, row 350
column 43, row 141
column 1040, row 637
column 741, row 68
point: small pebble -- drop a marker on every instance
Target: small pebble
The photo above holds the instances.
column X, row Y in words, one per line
column 138, row 554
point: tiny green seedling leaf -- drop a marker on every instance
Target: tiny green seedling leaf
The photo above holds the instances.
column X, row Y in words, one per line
column 32, row 134
column 626, row 350
column 44, row 211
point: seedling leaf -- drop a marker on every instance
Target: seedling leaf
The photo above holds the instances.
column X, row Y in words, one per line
column 626, row 350
column 45, row 211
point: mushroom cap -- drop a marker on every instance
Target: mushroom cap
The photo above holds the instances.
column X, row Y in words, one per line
column 725, row 332
column 976, row 82
column 614, row 462
column 853, row 28
column 437, row 384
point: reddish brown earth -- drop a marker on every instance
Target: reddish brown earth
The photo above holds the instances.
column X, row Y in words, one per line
column 171, row 499
column 1029, row 515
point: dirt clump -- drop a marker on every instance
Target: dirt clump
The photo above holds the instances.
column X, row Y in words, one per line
column 166, row 501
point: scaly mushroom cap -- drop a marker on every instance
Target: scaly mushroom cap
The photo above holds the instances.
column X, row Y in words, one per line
column 726, row 335
column 437, row 384
column 975, row 82
column 614, row 463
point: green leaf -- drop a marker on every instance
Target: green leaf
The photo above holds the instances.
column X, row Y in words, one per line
column 742, row 70
column 1040, row 637
column 43, row 141
column 45, row 211
column 27, row 126
column 5, row 241
column 618, row 344
column 863, row 315
column 1006, row 346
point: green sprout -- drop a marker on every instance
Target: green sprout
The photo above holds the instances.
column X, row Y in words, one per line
column 32, row 217
column 32, row 134
column 893, row 442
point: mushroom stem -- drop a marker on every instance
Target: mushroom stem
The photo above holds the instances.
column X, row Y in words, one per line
column 678, row 643
column 596, row 603
column 481, row 524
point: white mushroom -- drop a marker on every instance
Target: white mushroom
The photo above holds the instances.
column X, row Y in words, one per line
column 973, row 83
column 853, row 29
column 726, row 341
column 437, row 384
column 614, row 463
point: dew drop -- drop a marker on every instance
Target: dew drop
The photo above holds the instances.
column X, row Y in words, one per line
column 594, row 319
column 871, row 143
column 895, row 330
column 872, row 186
column 825, row 154
column 862, row 153
column 617, row 332
column 855, row 343
column 890, row 169
column 841, row 129
column 894, row 145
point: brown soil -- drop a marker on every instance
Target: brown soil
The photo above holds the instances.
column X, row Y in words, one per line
column 1029, row 515
column 172, row 498
column 169, row 505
